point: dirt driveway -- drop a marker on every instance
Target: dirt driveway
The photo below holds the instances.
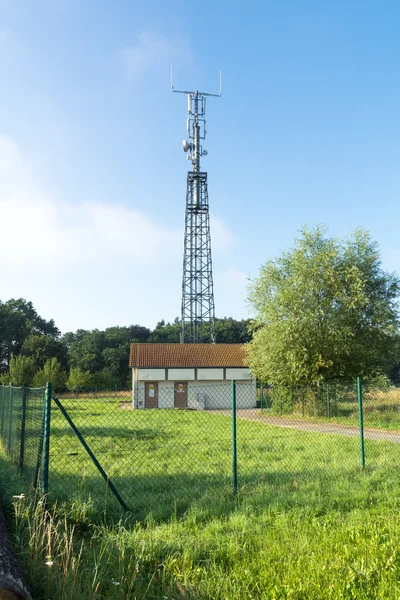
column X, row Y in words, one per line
column 312, row 427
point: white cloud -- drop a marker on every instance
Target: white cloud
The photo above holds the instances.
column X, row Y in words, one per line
column 153, row 51
column 85, row 265
column 90, row 264
column 64, row 232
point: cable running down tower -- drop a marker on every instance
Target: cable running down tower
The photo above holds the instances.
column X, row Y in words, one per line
column 198, row 309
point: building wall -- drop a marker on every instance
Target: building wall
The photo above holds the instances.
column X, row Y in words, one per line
column 151, row 374
column 210, row 374
column 242, row 373
column 181, row 374
column 202, row 395
column 135, row 378
column 192, row 374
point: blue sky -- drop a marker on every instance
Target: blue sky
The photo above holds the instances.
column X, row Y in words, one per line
column 92, row 174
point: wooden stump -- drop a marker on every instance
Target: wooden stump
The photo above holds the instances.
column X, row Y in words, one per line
column 12, row 584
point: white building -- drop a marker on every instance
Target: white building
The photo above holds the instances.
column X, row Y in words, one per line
column 196, row 376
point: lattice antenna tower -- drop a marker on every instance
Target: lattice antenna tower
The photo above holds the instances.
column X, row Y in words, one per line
column 198, row 308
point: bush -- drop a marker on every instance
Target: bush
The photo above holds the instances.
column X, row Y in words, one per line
column 282, row 399
column 79, row 379
column 105, row 380
column 52, row 371
column 312, row 401
column 22, row 370
column 5, row 379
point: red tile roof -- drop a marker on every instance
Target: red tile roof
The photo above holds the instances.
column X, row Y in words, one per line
column 187, row 355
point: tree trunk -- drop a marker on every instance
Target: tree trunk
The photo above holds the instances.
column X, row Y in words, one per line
column 12, row 584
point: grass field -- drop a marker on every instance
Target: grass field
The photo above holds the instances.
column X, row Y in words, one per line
column 307, row 522
column 165, row 461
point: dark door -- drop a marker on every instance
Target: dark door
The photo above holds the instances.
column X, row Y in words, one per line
column 181, row 395
column 151, row 395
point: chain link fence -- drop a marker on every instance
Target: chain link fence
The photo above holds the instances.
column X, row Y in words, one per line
column 168, row 446
column 22, row 428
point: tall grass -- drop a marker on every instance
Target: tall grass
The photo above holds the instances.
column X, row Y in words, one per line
column 323, row 550
column 297, row 533
column 381, row 405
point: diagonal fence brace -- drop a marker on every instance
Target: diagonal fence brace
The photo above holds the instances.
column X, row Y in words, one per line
column 90, row 453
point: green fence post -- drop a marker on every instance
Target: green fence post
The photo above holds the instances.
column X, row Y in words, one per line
column 328, row 402
column 302, row 404
column 3, row 402
column 23, row 427
column 46, row 437
column 10, row 420
column 234, row 448
column 360, row 417
column 39, row 460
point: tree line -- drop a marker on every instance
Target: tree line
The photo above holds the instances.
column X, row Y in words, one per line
column 33, row 351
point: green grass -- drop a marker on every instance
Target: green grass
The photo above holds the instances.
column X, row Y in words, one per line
column 165, row 461
column 266, row 553
column 307, row 522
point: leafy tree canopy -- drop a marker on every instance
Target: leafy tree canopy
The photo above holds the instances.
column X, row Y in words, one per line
column 79, row 379
column 52, row 371
column 166, row 333
column 86, row 352
column 18, row 321
column 42, row 347
column 232, row 331
column 228, row 331
column 105, row 352
column 22, row 370
column 324, row 310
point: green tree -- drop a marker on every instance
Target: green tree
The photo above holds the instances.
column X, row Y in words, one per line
column 166, row 332
column 107, row 350
column 116, row 360
column 138, row 333
column 52, row 371
column 85, row 352
column 18, row 321
column 22, row 370
column 43, row 347
column 115, row 354
column 227, row 330
column 78, row 379
column 232, row 331
column 5, row 378
column 324, row 310
column 106, row 380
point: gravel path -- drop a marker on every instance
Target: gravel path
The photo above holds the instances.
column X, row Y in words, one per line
column 312, row 427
